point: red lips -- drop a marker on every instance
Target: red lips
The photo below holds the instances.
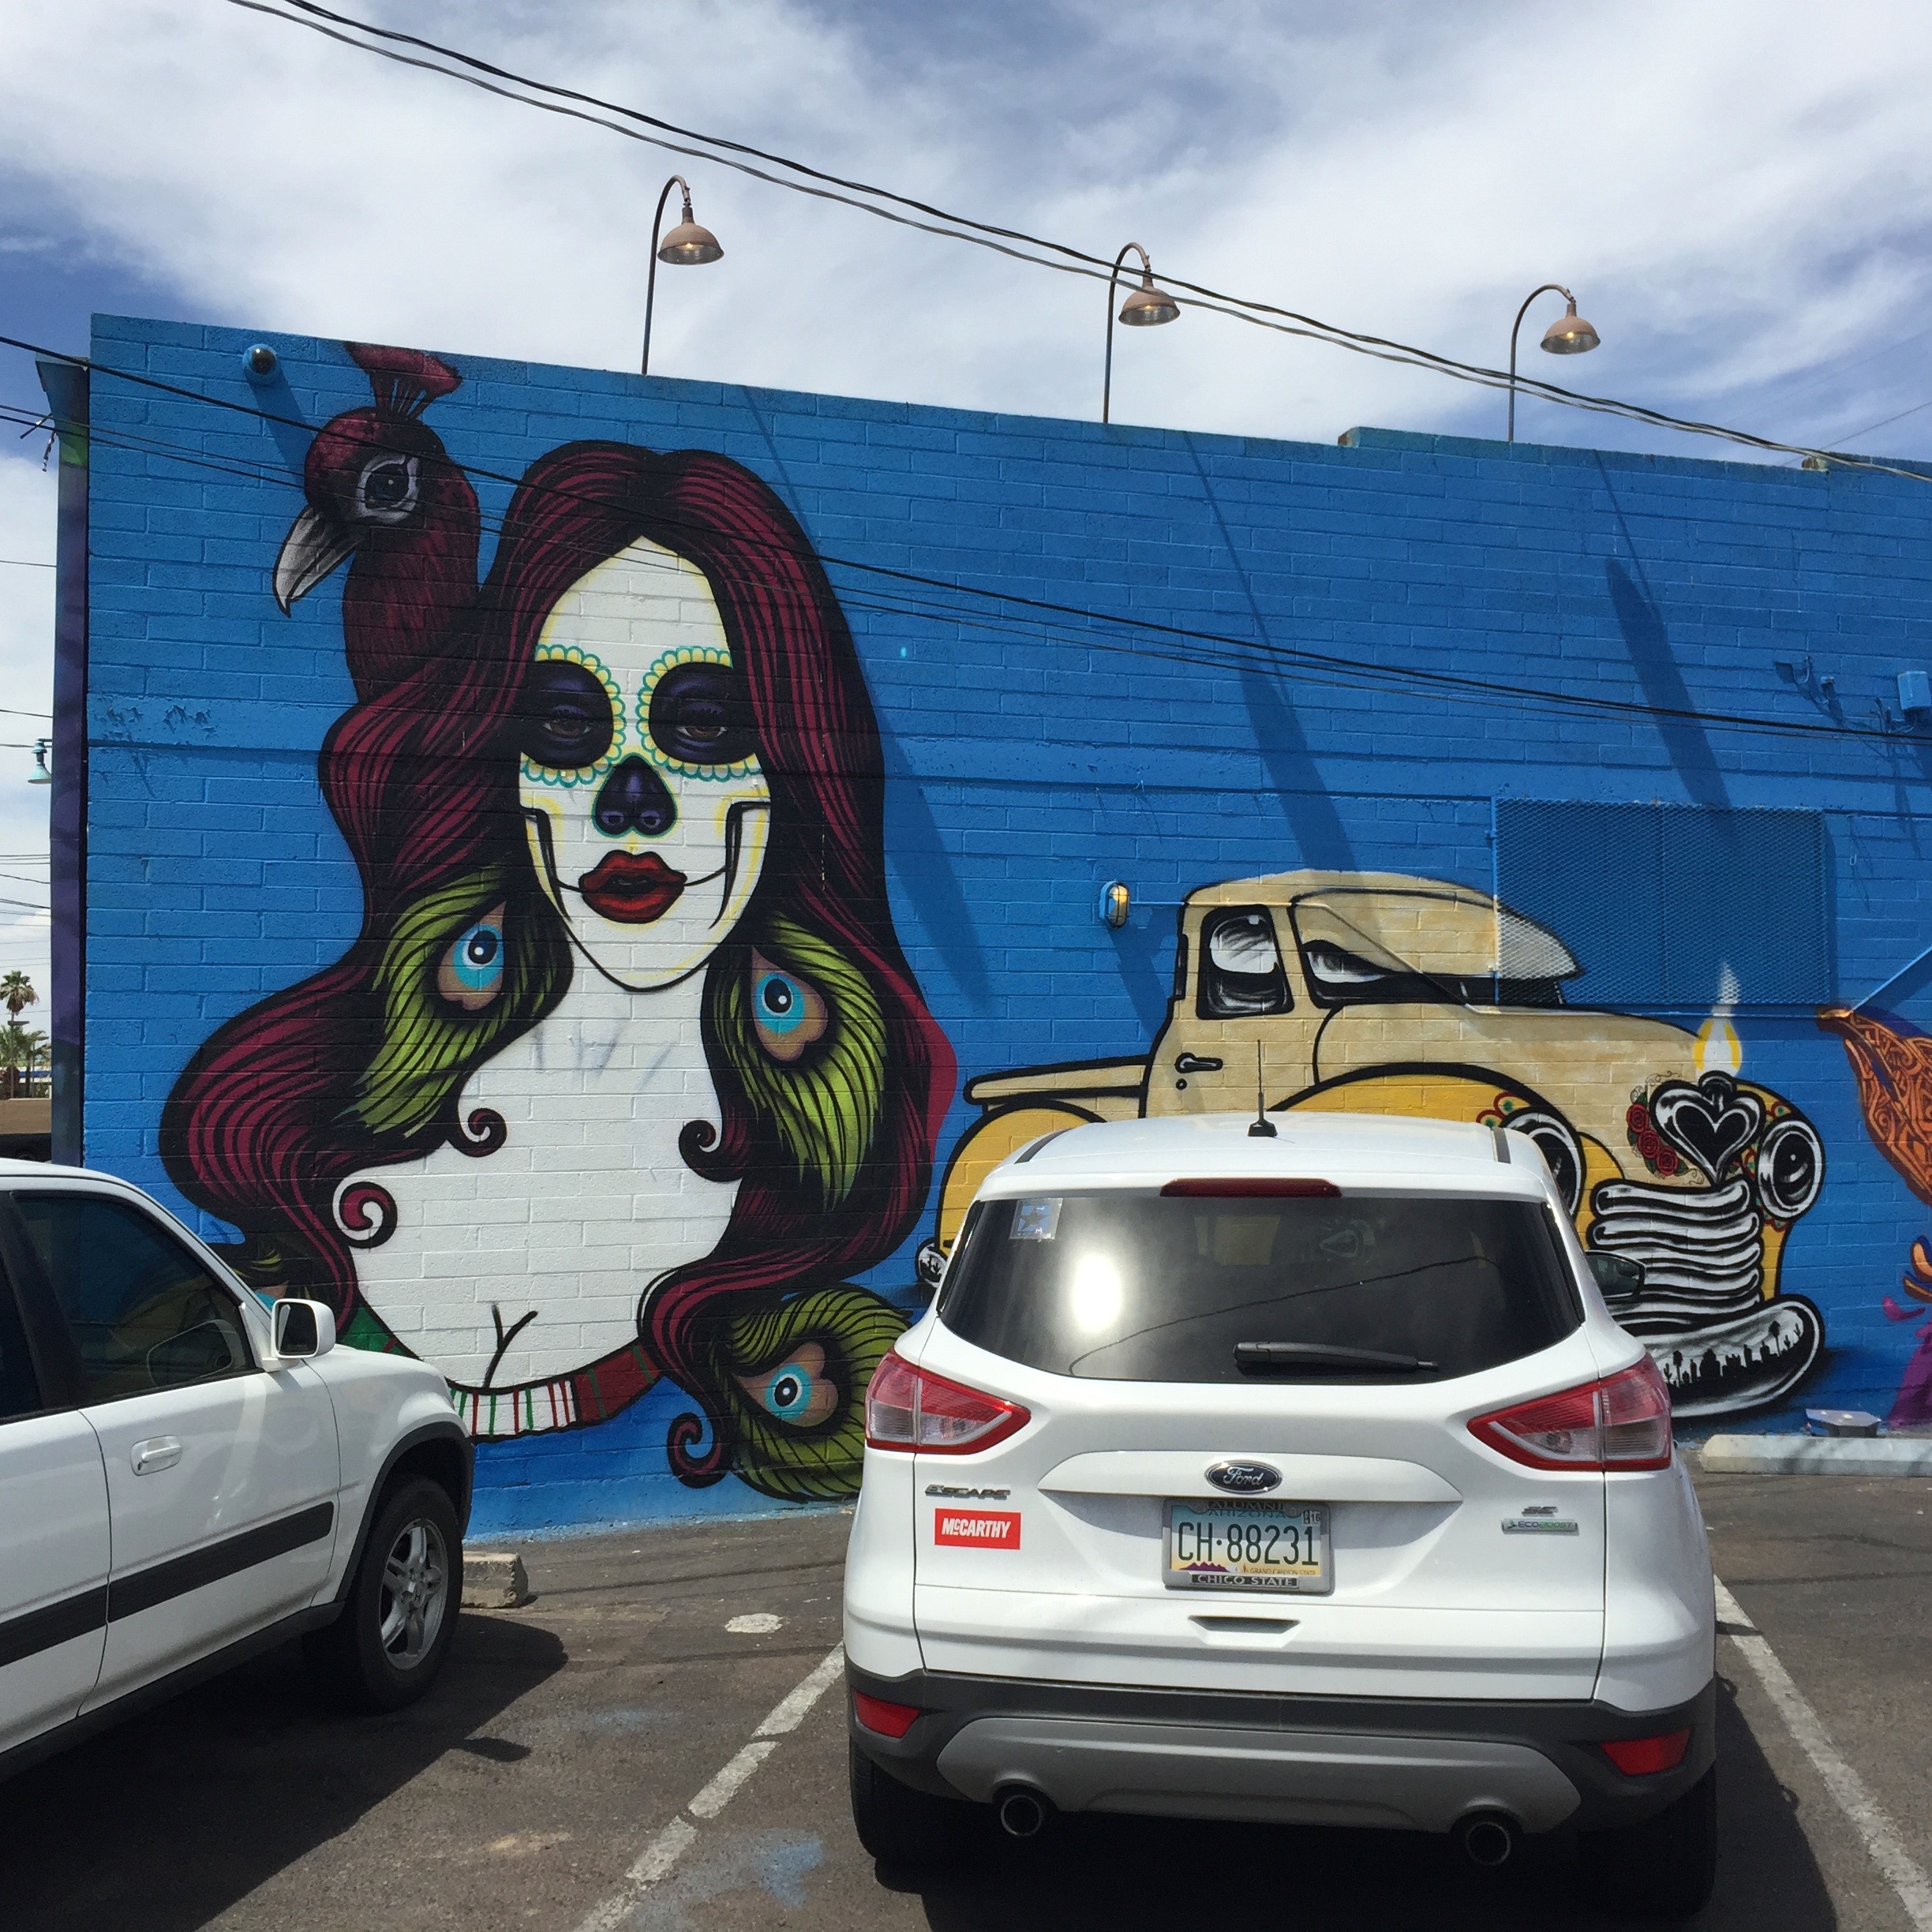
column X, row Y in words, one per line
column 632, row 887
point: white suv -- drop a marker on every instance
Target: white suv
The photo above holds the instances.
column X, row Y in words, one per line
column 1286, row 1471
column 186, row 1477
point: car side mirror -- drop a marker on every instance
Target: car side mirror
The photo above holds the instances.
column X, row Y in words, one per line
column 1620, row 1279
column 302, row 1329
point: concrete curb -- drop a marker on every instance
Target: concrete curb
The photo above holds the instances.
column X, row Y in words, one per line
column 1818, row 1456
column 494, row 1580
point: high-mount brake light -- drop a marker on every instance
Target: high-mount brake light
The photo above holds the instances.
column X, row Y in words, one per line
column 1258, row 1187
column 1623, row 1422
column 909, row 1408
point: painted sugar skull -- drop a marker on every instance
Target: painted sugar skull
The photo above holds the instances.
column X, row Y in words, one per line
column 626, row 1073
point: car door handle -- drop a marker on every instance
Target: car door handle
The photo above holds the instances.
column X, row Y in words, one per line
column 1196, row 1063
column 158, row 1452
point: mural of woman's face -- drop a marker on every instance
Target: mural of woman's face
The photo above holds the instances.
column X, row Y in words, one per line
column 645, row 806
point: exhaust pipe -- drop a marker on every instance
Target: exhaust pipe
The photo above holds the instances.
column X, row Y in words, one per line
column 1487, row 1838
column 1021, row 1810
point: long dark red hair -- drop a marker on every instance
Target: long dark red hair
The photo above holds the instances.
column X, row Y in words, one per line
column 422, row 778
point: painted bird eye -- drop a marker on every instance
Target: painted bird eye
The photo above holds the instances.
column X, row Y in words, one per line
column 470, row 973
column 386, row 492
column 789, row 1013
column 799, row 1390
column 701, row 714
column 565, row 716
column 788, row 1394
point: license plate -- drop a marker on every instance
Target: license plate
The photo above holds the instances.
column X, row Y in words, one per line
column 1249, row 1546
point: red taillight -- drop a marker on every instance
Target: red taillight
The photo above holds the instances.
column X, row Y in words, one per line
column 890, row 1720
column 1623, row 1422
column 1634, row 1756
column 908, row 1408
column 891, row 1409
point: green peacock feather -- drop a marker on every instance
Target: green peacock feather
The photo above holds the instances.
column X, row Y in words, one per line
column 429, row 1046
column 826, row 1105
column 852, row 1329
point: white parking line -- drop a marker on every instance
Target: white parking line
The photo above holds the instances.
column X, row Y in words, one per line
column 1854, row 1799
column 661, row 1853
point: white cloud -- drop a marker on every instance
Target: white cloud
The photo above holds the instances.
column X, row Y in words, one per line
column 1737, row 193
column 1740, row 193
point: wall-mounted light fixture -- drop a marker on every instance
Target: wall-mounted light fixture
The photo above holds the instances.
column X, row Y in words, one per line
column 1569, row 335
column 1115, row 902
column 40, row 775
column 1914, row 691
column 687, row 246
column 260, row 362
column 1146, row 307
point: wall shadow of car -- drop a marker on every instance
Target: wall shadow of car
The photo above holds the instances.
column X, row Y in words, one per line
column 165, row 1821
column 1127, row 1874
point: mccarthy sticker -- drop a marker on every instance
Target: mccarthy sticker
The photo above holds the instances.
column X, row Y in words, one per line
column 988, row 1529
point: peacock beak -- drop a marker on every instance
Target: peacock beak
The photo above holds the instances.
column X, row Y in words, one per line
column 315, row 544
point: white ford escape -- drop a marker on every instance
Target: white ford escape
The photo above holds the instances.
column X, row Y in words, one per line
column 1298, row 1476
column 186, row 1478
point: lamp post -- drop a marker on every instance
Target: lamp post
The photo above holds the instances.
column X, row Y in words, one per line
column 1146, row 307
column 686, row 246
column 1569, row 335
column 40, row 775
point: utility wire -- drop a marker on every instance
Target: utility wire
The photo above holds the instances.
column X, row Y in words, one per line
column 308, row 14
column 1225, row 652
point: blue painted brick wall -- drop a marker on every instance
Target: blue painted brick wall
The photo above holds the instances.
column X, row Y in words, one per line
column 1035, row 754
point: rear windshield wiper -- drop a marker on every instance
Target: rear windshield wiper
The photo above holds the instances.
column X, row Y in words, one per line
column 1281, row 1357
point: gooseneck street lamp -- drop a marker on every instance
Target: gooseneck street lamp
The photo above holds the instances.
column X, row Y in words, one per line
column 686, row 246
column 1146, row 307
column 1569, row 335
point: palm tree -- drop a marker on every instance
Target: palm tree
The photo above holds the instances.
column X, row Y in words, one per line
column 21, row 1049
column 17, row 992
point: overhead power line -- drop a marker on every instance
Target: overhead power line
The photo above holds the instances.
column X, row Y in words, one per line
column 1041, row 252
column 904, row 594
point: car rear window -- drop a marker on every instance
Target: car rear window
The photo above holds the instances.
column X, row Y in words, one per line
column 1143, row 1287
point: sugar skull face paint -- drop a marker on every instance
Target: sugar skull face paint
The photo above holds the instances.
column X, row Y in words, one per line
column 647, row 811
column 625, row 1080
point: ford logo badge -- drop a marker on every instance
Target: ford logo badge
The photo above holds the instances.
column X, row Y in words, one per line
column 1243, row 1478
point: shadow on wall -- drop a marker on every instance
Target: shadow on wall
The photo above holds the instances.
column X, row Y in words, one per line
column 1320, row 838
column 925, row 873
column 1649, row 644
column 1144, row 946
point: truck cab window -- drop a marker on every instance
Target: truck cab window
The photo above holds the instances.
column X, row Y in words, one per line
column 1241, row 975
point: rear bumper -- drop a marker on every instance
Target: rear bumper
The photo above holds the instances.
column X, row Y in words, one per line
column 1401, row 1763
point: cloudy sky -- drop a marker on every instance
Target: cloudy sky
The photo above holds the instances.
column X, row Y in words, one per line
column 1740, row 195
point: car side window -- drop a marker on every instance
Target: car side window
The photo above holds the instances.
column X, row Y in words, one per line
column 1241, row 975
column 144, row 1313
column 19, row 1387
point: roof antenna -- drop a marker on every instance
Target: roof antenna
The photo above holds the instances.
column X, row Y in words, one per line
column 1262, row 1128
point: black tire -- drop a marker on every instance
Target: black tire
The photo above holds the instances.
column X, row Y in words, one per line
column 898, row 1825
column 388, row 1647
column 1665, row 1868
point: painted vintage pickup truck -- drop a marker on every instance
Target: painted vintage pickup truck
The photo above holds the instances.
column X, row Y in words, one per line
column 1379, row 993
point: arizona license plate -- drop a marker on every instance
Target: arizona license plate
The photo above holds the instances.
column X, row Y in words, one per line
column 1249, row 1546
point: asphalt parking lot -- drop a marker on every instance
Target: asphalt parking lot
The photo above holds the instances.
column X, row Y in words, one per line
column 575, row 1737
